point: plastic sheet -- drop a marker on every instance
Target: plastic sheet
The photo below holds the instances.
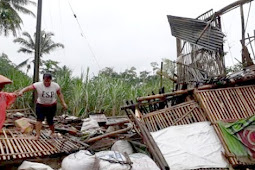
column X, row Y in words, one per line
column 190, row 146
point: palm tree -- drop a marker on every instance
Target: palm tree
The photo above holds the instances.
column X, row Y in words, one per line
column 10, row 20
column 47, row 45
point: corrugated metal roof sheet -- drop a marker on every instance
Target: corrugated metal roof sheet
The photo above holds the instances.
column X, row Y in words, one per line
column 191, row 29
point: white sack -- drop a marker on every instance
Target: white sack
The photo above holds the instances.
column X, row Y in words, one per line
column 79, row 161
column 89, row 124
column 26, row 165
column 104, row 159
column 142, row 162
column 122, row 146
column 190, row 146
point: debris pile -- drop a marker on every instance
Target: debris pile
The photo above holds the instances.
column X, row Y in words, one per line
column 93, row 135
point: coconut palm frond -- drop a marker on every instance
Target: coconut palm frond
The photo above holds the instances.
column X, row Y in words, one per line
column 24, row 2
column 23, row 10
column 22, row 64
column 24, row 43
column 10, row 20
column 53, row 47
column 25, row 50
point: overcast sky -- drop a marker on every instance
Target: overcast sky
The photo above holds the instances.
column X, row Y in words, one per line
column 122, row 33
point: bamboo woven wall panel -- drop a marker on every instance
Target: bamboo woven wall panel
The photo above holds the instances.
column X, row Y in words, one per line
column 185, row 113
column 228, row 103
column 15, row 145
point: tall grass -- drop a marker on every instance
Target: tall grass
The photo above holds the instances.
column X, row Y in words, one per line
column 103, row 93
column 20, row 80
column 84, row 94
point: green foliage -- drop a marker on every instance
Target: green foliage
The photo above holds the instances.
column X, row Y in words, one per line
column 10, row 20
column 106, row 92
column 47, row 45
column 20, row 80
column 234, row 68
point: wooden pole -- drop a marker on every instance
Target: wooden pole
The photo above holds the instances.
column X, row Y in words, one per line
column 243, row 35
column 178, row 92
column 222, row 59
column 150, row 143
column 178, row 46
column 249, row 38
column 37, row 42
column 228, row 8
column 97, row 138
column 37, row 46
column 161, row 71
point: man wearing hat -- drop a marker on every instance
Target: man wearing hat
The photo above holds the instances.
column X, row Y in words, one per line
column 6, row 99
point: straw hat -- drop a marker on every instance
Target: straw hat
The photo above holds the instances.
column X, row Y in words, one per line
column 4, row 80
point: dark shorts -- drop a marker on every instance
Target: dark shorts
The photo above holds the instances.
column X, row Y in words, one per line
column 43, row 111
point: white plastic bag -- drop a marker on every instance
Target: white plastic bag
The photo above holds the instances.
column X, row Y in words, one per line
column 26, row 165
column 111, row 160
column 122, row 146
column 142, row 162
column 79, row 161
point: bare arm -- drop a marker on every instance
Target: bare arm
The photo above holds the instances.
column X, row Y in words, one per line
column 28, row 88
column 61, row 97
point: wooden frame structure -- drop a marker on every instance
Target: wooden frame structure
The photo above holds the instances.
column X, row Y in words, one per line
column 199, row 55
column 230, row 103
column 15, row 145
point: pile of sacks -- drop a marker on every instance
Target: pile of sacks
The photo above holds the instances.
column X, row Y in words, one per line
column 109, row 160
column 115, row 159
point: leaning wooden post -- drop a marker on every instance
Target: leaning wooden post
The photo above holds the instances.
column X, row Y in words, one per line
column 244, row 61
column 161, row 75
column 249, row 38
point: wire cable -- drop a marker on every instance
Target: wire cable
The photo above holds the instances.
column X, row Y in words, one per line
column 83, row 35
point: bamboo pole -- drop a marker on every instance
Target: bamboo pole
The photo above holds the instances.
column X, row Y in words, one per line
column 2, row 150
column 178, row 92
column 161, row 76
column 229, row 7
column 151, row 143
column 249, row 38
column 109, row 134
column 18, row 144
column 9, row 144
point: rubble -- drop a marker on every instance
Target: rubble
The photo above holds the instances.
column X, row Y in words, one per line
column 72, row 134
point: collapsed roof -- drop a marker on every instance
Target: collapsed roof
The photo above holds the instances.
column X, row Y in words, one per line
column 196, row 32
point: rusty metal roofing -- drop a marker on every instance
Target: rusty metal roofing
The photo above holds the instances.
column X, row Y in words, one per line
column 191, row 30
column 15, row 145
column 185, row 113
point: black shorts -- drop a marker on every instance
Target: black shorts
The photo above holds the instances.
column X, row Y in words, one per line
column 43, row 111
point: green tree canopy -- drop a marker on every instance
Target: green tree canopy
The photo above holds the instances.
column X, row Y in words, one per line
column 46, row 47
column 10, row 20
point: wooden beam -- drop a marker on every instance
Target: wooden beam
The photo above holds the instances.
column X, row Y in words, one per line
column 229, row 8
column 251, row 45
column 242, row 25
column 94, row 139
column 178, row 46
column 164, row 95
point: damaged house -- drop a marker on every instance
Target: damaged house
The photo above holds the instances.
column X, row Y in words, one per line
column 208, row 120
